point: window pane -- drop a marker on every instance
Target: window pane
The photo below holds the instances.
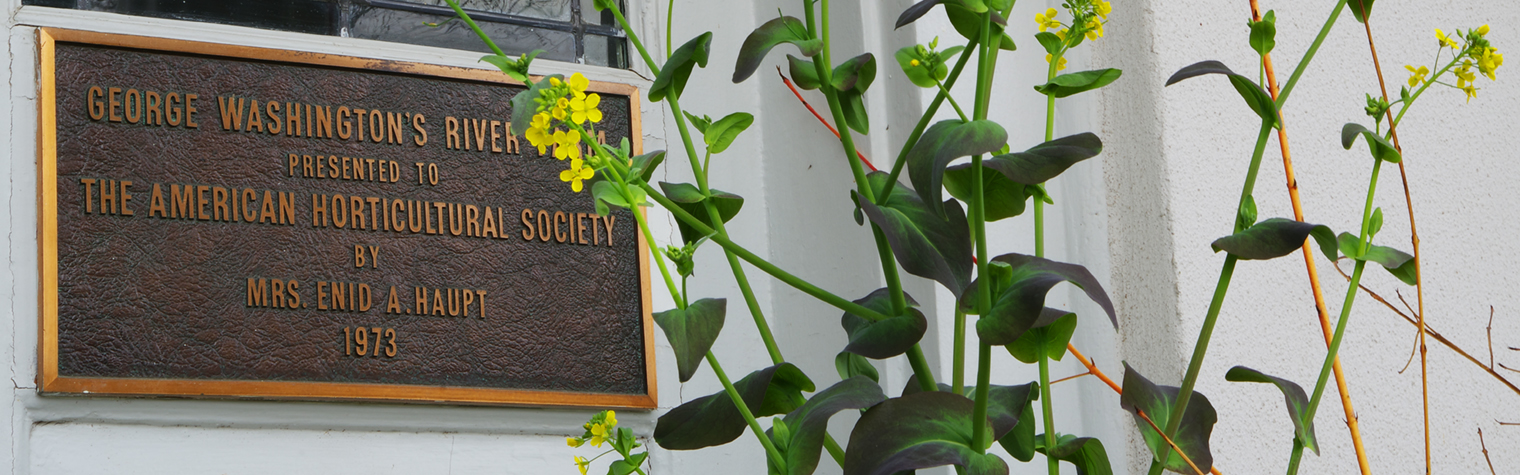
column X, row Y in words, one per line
column 547, row 9
column 606, row 51
column 407, row 27
column 593, row 17
column 305, row 16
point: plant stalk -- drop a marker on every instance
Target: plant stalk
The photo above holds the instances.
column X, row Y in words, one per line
column 728, row 386
column 1321, row 310
column 1185, row 392
column 1048, row 412
column 979, row 436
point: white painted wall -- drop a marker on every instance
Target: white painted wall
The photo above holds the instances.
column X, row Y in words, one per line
column 1140, row 217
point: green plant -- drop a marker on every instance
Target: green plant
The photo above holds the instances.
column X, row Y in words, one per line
column 942, row 239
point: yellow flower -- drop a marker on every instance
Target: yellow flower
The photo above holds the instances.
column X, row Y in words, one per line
column 574, row 175
column 579, row 83
column 1482, row 30
column 1471, row 92
column 1094, row 30
column 1060, row 66
column 1103, row 8
column 538, row 133
column 1417, row 76
column 1488, row 61
column 1062, row 34
column 1444, row 40
column 581, row 463
column 584, row 109
column 1047, row 20
column 553, row 81
column 574, row 442
column 561, row 109
column 567, row 145
column 1464, row 74
column 611, row 418
column 914, row 63
column 599, row 434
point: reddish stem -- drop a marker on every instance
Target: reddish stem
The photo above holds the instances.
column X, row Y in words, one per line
column 820, row 118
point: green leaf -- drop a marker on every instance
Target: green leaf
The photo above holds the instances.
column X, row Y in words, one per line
column 1045, row 161
column 524, row 107
column 672, row 78
column 856, row 74
column 1397, row 262
column 515, row 68
column 1157, row 402
column 917, row 431
column 809, row 424
column 723, row 132
column 1361, row 9
column 855, row 111
column 1247, row 214
column 1005, row 198
column 1377, row 222
column 1258, row 99
column 1298, row 402
column 919, row 75
column 882, row 339
column 713, row 419
column 692, row 331
column 1275, row 238
column 932, row 242
column 969, row 25
column 1264, row 33
column 1047, row 338
column 1008, row 407
column 915, row 11
column 1050, row 42
column 943, row 143
column 700, row 123
column 644, row 165
column 1075, row 83
column 759, row 43
column 690, row 199
column 606, row 194
column 1381, row 149
column 1085, row 453
column 851, row 365
column 803, row 73
column 1019, row 301
column 1020, row 441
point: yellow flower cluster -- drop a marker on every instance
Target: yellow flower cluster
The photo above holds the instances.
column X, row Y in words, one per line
column 1090, row 15
column 563, row 103
column 601, row 428
column 1059, row 66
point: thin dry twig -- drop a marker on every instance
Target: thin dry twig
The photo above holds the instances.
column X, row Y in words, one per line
column 797, row 93
column 1490, row 338
column 1433, row 334
column 1314, row 285
column 1485, row 452
column 1508, row 423
column 1414, row 236
column 1069, row 378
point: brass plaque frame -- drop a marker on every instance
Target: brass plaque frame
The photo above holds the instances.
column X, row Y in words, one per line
column 48, row 376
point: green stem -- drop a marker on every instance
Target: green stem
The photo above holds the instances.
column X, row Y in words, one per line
column 634, row 38
column 670, row 15
column 1303, row 65
column 1050, row 131
column 1421, row 91
column 760, row 263
column 1201, row 348
column 958, row 370
column 638, row 216
column 946, row 93
column 728, row 386
column 1046, row 407
column 923, row 121
column 1364, row 242
column 468, row 21
column 979, row 436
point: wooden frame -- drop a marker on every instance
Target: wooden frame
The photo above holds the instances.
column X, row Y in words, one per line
column 49, row 380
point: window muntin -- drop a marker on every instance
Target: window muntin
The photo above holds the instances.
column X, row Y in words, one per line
column 567, row 30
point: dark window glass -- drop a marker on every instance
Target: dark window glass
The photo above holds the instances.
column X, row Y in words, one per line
column 567, row 30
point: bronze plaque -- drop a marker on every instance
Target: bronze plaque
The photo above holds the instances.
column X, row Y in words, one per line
column 223, row 221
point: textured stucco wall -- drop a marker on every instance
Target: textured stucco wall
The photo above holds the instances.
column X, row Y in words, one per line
column 1176, row 159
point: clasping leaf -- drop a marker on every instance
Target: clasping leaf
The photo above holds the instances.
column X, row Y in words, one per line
column 882, row 339
column 1258, row 99
column 692, row 331
column 1275, row 238
column 1198, row 419
column 713, row 419
column 1298, row 402
column 1381, row 149
column 759, row 43
column 672, row 79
